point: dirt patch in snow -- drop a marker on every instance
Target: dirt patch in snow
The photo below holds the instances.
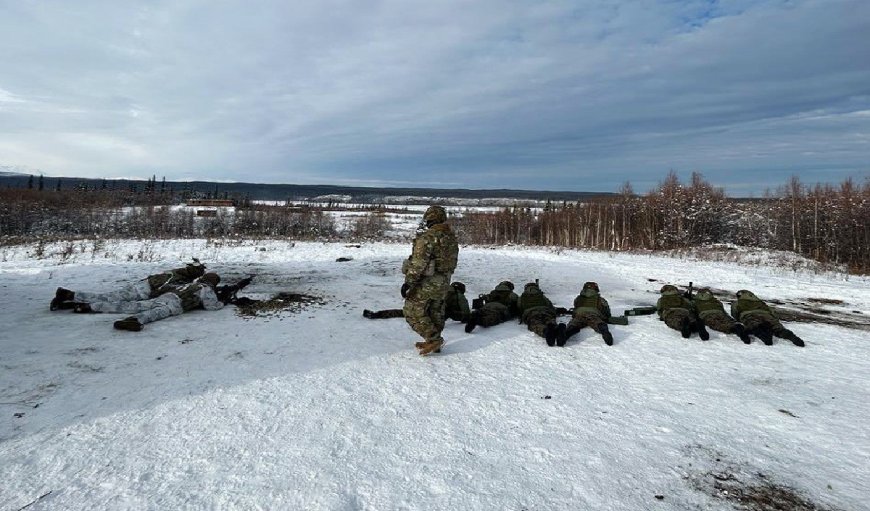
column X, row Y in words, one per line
column 744, row 487
column 281, row 302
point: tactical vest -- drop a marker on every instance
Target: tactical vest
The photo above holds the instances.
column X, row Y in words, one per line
column 446, row 249
column 671, row 301
column 502, row 297
column 588, row 303
column 189, row 296
column 531, row 299
column 706, row 307
column 746, row 307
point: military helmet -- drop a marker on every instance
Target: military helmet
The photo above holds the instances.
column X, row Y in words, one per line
column 435, row 215
column 506, row 284
column 459, row 286
column 210, row 278
column 669, row 288
column 704, row 294
column 591, row 285
column 532, row 285
column 746, row 295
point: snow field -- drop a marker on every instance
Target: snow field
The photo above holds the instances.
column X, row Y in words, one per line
column 323, row 409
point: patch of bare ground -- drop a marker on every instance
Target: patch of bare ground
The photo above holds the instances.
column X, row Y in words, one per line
column 281, row 302
column 744, row 487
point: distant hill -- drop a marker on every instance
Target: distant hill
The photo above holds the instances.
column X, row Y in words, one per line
column 262, row 191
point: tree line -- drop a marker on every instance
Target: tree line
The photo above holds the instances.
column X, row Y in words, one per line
column 828, row 223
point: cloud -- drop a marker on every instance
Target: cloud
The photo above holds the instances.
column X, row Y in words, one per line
column 552, row 94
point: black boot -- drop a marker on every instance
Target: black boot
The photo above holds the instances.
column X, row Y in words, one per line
column 561, row 334
column 550, row 332
column 765, row 335
column 791, row 336
column 131, row 324
column 567, row 333
column 62, row 299
column 686, row 328
column 472, row 322
column 740, row 331
column 608, row 337
column 702, row 330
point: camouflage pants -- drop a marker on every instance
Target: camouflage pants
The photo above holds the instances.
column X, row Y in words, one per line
column 754, row 322
column 492, row 314
column 538, row 318
column 674, row 317
column 590, row 319
column 140, row 290
column 146, row 311
column 387, row 314
column 424, row 307
column 719, row 321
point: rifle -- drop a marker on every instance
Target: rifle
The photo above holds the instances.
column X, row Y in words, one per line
column 688, row 293
column 227, row 294
column 645, row 310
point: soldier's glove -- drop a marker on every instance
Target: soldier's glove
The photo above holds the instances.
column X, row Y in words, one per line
column 404, row 290
column 477, row 303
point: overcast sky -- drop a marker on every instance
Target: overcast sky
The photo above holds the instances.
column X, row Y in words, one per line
column 536, row 94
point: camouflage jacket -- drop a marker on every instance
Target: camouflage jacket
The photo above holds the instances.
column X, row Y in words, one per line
column 748, row 305
column 435, row 252
column 505, row 297
column 163, row 282
column 590, row 301
column 456, row 305
column 197, row 295
column 672, row 300
column 706, row 307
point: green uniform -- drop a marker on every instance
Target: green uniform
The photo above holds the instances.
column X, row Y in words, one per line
column 759, row 319
column 427, row 275
column 455, row 307
column 712, row 312
column 674, row 309
column 536, row 310
column 499, row 305
column 591, row 310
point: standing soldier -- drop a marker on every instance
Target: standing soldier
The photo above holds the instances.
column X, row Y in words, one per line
column 591, row 310
column 760, row 320
column 499, row 305
column 455, row 306
column 427, row 279
column 538, row 313
column 149, row 287
column 712, row 313
column 678, row 313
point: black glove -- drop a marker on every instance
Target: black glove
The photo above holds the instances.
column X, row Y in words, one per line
column 405, row 288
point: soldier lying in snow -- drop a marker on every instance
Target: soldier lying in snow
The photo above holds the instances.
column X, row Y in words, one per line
column 760, row 320
column 711, row 311
column 499, row 305
column 203, row 293
column 538, row 313
column 151, row 286
column 591, row 310
column 678, row 312
column 455, row 306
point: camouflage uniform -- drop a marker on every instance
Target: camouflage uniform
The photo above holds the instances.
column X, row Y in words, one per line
column 199, row 294
column 149, row 287
column 455, row 306
column 591, row 310
column 537, row 312
column 712, row 313
column 499, row 305
column 759, row 319
column 427, row 277
column 678, row 312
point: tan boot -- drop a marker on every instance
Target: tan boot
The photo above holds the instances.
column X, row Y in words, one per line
column 431, row 347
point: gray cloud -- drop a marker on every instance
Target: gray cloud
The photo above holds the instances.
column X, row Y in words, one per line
column 554, row 94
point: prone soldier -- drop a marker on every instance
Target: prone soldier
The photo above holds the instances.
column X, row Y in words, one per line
column 590, row 309
column 497, row 306
column 760, row 320
column 711, row 311
column 677, row 312
column 149, row 287
column 538, row 313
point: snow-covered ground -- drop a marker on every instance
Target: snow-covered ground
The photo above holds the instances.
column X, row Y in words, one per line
column 323, row 409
